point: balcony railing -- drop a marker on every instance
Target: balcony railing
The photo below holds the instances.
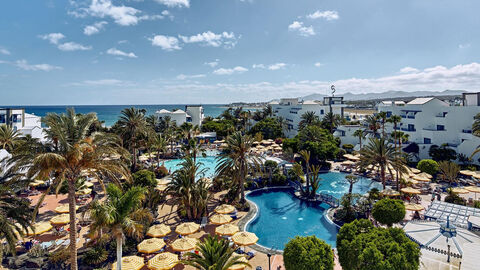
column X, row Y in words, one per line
column 411, row 116
column 434, row 129
column 409, row 129
column 467, row 131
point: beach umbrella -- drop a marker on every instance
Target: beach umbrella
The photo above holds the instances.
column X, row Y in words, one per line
column 476, row 175
column 151, row 245
column 414, row 207
column 426, row 175
column 260, row 147
column 227, row 229
column 184, row 244
column 220, row 219
column 421, row 178
column 459, row 190
column 88, row 184
column 348, row 162
column 39, row 228
column 467, row 172
column 411, row 180
column 84, row 191
column 161, row 187
column 410, row 190
column 239, row 266
column 130, row 263
column 60, row 219
column 223, row 145
column 347, row 156
column 37, row 183
column 187, row 228
column 415, row 170
column 158, row 230
column 244, row 238
column 390, row 192
column 473, row 189
column 63, row 208
column 224, row 209
column 162, row 181
column 163, row 261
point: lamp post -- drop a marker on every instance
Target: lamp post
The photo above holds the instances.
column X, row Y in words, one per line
column 269, row 265
column 448, row 254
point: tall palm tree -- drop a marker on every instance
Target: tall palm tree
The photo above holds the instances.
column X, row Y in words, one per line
column 75, row 153
column 121, row 214
column 186, row 131
column 193, row 149
column 214, row 254
column 313, row 178
column 360, row 134
column 307, row 119
column 132, row 126
column 306, row 157
column 371, row 122
column 237, row 161
column 351, row 179
column 380, row 154
column 268, row 111
column 8, row 137
column 157, row 143
column 331, row 121
column 448, row 171
column 382, row 116
column 395, row 120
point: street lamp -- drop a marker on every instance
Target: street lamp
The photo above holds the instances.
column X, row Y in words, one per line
column 269, row 265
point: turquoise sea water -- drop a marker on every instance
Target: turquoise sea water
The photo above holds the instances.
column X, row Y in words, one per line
column 282, row 216
column 110, row 113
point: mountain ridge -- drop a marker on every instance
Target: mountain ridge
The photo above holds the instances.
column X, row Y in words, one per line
column 387, row 95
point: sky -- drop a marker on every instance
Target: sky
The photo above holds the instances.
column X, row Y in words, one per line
column 221, row 51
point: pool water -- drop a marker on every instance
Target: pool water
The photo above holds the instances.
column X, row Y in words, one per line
column 281, row 216
column 208, row 163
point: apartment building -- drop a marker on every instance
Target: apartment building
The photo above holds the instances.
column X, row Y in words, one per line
column 193, row 114
column 24, row 123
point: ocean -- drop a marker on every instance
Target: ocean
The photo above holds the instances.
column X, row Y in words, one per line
column 111, row 113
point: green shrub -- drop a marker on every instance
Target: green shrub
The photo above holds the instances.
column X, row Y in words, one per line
column 428, row 165
column 454, row 198
column 476, row 204
column 144, row 178
column 348, row 147
column 95, row 255
column 340, row 153
column 361, row 246
column 279, row 179
column 388, row 211
column 270, row 164
column 307, row 253
column 374, row 194
column 161, row 172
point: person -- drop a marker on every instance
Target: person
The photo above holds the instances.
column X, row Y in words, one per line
column 93, row 194
column 416, row 215
column 28, row 245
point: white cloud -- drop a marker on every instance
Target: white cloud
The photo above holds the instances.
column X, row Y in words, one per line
column 72, row 46
column 211, row 39
column 328, row 15
column 167, row 43
column 464, row 46
column 4, row 51
column 174, row 3
column 275, row 66
column 94, row 28
column 318, row 64
column 53, row 38
column 101, row 82
column 301, row 29
column 230, row 71
column 185, row 77
column 408, row 70
column 23, row 64
column 213, row 63
column 114, row 51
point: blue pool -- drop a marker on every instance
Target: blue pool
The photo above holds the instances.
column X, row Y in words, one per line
column 281, row 216
column 208, row 163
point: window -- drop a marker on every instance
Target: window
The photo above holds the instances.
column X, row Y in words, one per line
column 389, row 114
column 3, row 119
column 322, row 111
column 427, row 141
column 411, row 127
column 440, row 127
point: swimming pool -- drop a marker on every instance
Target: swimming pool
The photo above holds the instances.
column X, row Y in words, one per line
column 281, row 216
column 208, row 163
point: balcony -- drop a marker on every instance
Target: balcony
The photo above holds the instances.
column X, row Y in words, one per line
column 434, row 129
column 411, row 116
column 468, row 131
column 409, row 129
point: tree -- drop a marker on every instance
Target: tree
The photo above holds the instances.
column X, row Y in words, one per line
column 144, row 178
column 307, row 253
column 395, row 120
column 121, row 214
column 442, row 152
column 73, row 153
column 158, row 143
column 214, row 253
column 388, row 211
column 428, row 165
column 8, row 137
column 382, row 116
column 320, row 142
column 237, row 161
column 269, row 127
column 360, row 134
column 380, row 154
column 331, row 121
column 307, row 119
column 131, row 127
column 351, row 179
column 361, row 246
column 448, row 171
column 372, row 123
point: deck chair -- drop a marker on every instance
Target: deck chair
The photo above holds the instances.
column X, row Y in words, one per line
column 204, row 222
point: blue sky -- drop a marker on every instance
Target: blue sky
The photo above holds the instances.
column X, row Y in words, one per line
column 216, row 51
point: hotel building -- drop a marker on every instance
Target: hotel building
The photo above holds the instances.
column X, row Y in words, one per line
column 24, row 123
column 192, row 114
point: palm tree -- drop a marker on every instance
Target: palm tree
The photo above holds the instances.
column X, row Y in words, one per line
column 158, row 144
column 360, row 134
column 121, row 214
column 448, row 171
column 268, row 111
column 476, row 125
column 313, row 178
column 132, row 126
column 73, row 154
column 307, row 119
column 186, row 130
column 351, row 179
column 214, row 254
column 380, row 154
column 237, row 161
column 382, row 116
column 8, row 137
column 306, row 157
column 371, row 122
column 331, row 121
column 193, row 149
column 395, row 120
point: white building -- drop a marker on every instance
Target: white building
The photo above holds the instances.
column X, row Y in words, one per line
column 192, row 114
column 24, row 123
column 291, row 109
column 430, row 121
